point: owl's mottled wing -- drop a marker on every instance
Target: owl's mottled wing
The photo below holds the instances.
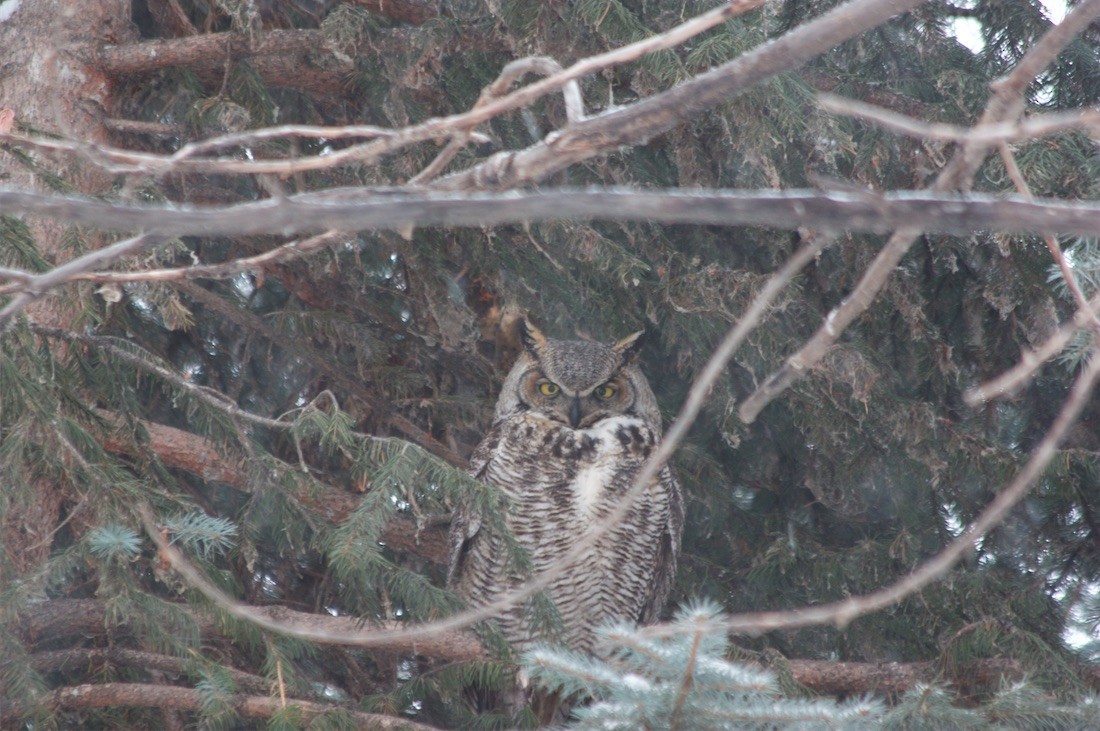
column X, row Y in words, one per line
column 465, row 522
column 668, row 552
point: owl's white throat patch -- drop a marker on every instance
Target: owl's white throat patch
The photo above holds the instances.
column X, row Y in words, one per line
column 593, row 476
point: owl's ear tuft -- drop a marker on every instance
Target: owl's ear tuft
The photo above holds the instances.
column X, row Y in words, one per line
column 532, row 338
column 629, row 347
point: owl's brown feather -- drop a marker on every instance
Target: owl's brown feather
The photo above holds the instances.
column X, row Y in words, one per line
column 560, row 481
column 574, row 424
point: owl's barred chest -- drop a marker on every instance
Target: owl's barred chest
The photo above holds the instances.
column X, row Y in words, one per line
column 570, row 473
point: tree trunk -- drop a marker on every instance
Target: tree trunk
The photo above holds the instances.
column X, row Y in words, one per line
column 49, row 84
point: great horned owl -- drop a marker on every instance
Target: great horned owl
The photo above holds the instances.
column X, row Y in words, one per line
column 574, row 423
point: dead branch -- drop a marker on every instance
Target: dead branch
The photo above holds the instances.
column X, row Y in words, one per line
column 1033, row 127
column 639, row 122
column 1031, row 360
column 357, row 209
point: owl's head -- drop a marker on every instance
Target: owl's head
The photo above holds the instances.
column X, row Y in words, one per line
column 577, row 382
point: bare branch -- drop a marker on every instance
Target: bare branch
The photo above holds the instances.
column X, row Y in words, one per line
column 148, row 56
column 286, row 252
column 1007, row 102
column 43, row 283
column 637, row 123
column 1052, row 244
column 1032, row 360
column 841, row 316
column 393, row 209
column 510, row 74
column 842, row 612
column 1033, row 127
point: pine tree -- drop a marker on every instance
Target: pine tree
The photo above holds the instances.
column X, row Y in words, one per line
column 295, row 412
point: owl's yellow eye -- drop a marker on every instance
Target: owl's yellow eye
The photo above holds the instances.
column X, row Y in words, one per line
column 605, row 391
column 549, row 389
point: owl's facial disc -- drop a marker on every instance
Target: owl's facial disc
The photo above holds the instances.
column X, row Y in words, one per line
column 578, row 409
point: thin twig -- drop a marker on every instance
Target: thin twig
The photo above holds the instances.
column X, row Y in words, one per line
column 40, row 284
column 286, row 252
column 1032, row 360
column 1052, row 244
column 1034, row 127
column 123, row 161
column 510, row 74
column 688, row 681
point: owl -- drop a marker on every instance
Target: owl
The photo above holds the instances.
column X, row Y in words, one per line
column 574, row 424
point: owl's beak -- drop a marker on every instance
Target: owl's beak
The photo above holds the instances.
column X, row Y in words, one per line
column 575, row 412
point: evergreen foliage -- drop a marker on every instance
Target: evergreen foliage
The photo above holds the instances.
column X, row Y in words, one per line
column 372, row 368
column 683, row 681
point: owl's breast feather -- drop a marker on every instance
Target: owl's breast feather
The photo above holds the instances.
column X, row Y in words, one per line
column 597, row 472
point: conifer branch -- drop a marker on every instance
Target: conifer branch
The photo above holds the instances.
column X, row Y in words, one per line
column 151, row 695
column 191, row 453
column 293, row 59
column 145, row 363
column 434, row 639
column 322, row 360
column 414, row 12
column 60, row 618
column 194, row 454
column 87, row 657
